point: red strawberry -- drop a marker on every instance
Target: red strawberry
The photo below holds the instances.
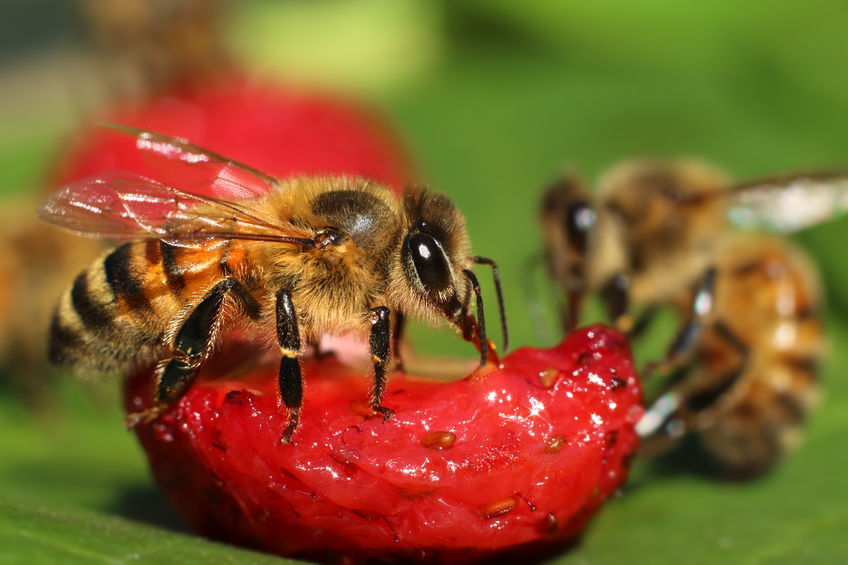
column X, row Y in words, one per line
column 523, row 454
column 279, row 130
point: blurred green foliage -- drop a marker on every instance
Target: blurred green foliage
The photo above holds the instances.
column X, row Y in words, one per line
column 507, row 95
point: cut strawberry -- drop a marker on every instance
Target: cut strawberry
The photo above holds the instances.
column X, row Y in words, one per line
column 521, row 454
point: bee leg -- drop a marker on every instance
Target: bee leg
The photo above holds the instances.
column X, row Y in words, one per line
column 317, row 351
column 570, row 315
column 486, row 347
column 643, row 321
column 192, row 344
column 499, row 293
column 661, row 426
column 616, row 297
column 397, row 337
column 674, row 413
column 686, row 342
column 291, row 379
column 379, row 341
column 706, row 396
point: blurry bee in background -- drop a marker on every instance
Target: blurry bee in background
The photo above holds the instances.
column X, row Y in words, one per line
column 742, row 369
column 141, row 46
column 33, row 260
column 147, row 45
column 289, row 260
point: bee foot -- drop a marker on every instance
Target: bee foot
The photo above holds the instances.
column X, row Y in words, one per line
column 145, row 416
column 386, row 413
column 286, row 438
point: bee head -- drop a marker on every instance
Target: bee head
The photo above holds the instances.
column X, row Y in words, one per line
column 433, row 255
column 568, row 224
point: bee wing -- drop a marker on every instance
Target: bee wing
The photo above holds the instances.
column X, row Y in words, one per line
column 187, row 166
column 789, row 203
column 126, row 206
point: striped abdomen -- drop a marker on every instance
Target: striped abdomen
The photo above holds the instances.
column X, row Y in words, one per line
column 121, row 306
column 768, row 297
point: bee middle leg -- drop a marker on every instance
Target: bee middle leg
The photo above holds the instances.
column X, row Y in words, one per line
column 192, row 346
column 379, row 342
column 689, row 336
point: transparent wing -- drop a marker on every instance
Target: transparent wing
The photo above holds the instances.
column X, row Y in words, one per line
column 126, row 206
column 190, row 167
column 790, row 202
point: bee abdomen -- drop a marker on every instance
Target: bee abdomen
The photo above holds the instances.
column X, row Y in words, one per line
column 105, row 319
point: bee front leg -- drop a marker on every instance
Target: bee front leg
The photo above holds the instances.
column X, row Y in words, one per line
column 291, row 378
column 397, row 337
column 192, row 346
column 379, row 341
column 615, row 295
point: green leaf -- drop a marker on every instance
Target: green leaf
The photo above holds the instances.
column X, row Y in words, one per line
column 33, row 533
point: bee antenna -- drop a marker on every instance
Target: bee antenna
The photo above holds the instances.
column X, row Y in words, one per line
column 481, row 321
column 497, row 276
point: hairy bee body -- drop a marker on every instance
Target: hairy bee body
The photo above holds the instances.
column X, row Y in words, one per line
column 292, row 260
column 120, row 307
column 743, row 366
column 134, row 298
column 767, row 295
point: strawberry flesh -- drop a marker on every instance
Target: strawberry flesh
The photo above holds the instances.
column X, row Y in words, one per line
column 520, row 454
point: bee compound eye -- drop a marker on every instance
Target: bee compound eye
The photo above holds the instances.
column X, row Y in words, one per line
column 580, row 218
column 430, row 262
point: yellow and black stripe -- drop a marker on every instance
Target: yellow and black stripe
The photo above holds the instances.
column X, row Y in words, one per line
column 125, row 301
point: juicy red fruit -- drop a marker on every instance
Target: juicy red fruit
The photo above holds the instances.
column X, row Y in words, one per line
column 523, row 454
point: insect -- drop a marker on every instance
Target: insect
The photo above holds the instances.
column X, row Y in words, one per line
column 742, row 369
column 289, row 260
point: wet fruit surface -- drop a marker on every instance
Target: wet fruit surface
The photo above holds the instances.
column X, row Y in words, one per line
column 523, row 454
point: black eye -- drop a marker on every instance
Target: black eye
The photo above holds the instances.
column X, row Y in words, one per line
column 580, row 218
column 430, row 262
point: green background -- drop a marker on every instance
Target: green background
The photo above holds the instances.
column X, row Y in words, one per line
column 494, row 98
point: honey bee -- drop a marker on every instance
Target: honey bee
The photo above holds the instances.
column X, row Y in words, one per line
column 147, row 45
column 290, row 260
column 742, row 369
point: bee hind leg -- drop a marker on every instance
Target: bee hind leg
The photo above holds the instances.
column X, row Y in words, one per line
column 192, row 344
column 291, row 378
column 678, row 411
column 379, row 341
